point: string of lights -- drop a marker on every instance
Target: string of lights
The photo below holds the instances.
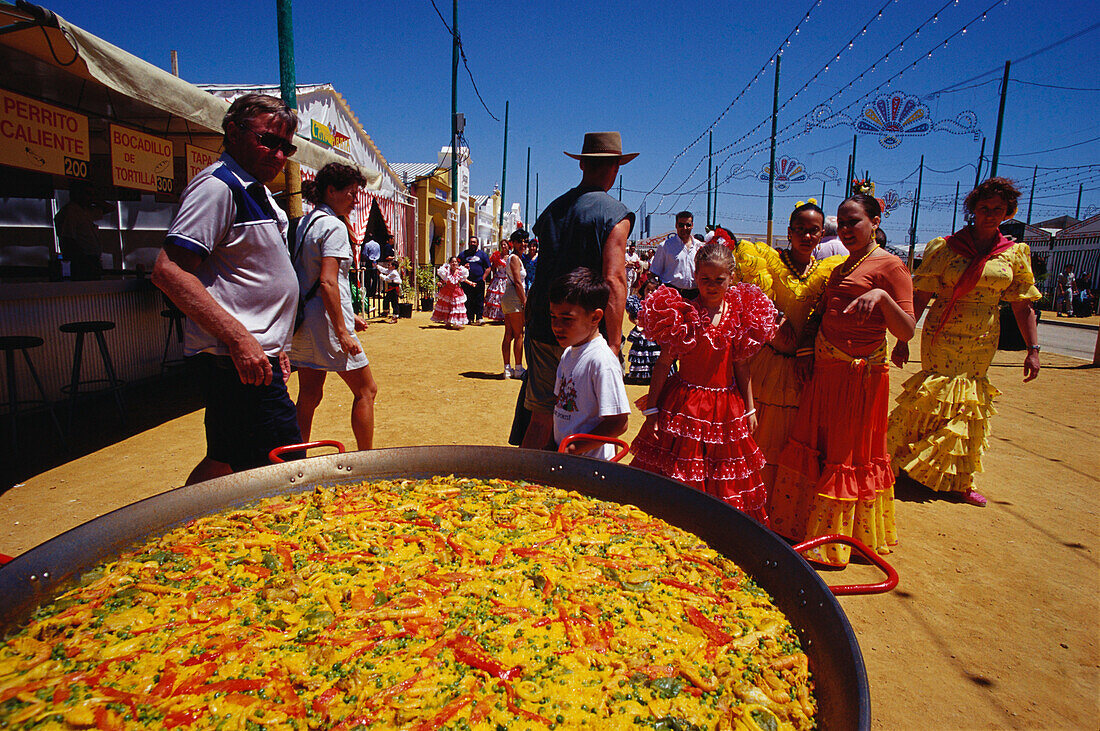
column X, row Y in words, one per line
column 756, row 77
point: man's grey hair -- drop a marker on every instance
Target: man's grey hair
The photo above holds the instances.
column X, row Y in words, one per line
column 830, row 225
column 250, row 106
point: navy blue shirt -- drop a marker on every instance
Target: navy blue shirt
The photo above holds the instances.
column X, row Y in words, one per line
column 477, row 261
column 571, row 232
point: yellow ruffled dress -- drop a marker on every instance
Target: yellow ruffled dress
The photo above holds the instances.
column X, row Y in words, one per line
column 776, row 390
column 940, row 427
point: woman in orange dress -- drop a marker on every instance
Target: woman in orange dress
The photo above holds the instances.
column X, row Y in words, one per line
column 834, row 474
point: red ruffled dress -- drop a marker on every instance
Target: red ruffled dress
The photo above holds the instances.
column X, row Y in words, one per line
column 450, row 302
column 702, row 438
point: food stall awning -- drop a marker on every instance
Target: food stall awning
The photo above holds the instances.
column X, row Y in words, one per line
column 134, row 89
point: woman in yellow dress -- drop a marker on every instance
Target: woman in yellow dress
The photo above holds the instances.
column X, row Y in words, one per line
column 794, row 283
column 940, row 427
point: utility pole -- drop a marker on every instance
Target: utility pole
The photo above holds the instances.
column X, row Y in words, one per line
column 848, row 179
column 1031, row 196
column 771, row 169
column 503, row 177
column 1080, row 190
column 454, row 107
column 1000, row 122
column 955, row 208
column 527, row 193
column 821, row 203
column 710, row 172
column 620, row 187
column 851, row 186
column 287, row 89
column 981, row 159
column 916, row 210
column 714, row 220
column 536, row 197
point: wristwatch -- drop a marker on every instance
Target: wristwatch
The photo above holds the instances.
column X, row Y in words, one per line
column 1036, row 348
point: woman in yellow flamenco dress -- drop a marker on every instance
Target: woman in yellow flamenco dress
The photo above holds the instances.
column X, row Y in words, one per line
column 940, row 427
column 795, row 281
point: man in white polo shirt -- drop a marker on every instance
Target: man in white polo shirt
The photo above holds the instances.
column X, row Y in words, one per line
column 674, row 261
column 225, row 264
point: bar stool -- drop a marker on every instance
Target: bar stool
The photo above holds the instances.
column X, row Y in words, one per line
column 175, row 324
column 9, row 344
column 97, row 328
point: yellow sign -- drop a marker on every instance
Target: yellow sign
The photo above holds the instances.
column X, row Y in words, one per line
column 140, row 161
column 39, row 136
column 198, row 158
column 326, row 135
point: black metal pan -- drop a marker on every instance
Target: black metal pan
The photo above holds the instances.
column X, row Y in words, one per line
column 835, row 660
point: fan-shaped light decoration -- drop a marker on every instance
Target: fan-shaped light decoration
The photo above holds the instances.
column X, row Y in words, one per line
column 890, row 202
column 787, row 170
column 893, row 117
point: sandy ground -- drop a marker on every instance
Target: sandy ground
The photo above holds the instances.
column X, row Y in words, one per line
column 994, row 624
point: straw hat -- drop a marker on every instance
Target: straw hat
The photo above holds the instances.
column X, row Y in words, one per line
column 603, row 145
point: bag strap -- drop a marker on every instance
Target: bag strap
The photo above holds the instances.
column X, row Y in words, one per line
column 298, row 250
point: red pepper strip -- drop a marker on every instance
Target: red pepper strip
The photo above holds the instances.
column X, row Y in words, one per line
column 163, row 688
column 213, row 654
column 565, row 625
column 480, row 712
column 504, row 610
column 715, row 633
column 468, row 651
column 195, row 681
column 398, row 688
column 61, row 694
column 28, row 688
column 444, row 714
column 261, row 571
column 704, row 563
column 183, row 718
column 157, row 628
column 284, row 553
column 106, row 719
column 547, row 587
column 525, row 552
column 354, row 722
column 660, row 671
column 184, row 549
column 731, row 584
column 336, row 557
column 516, row 710
column 688, row 588
column 323, row 701
column 233, row 685
column 293, row 704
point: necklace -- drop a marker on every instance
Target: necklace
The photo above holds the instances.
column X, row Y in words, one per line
column 846, row 270
column 785, row 257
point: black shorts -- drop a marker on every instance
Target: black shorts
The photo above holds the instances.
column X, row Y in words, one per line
column 244, row 423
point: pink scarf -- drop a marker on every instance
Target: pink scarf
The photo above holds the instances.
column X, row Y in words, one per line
column 962, row 243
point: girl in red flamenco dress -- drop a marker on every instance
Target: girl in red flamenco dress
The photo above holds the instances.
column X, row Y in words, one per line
column 699, row 424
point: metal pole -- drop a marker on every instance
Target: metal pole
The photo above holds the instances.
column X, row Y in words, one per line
column 714, row 220
column 291, row 171
column 848, row 179
column 852, row 188
column 981, row 159
column 1080, row 190
column 916, row 210
column 771, row 169
column 1031, row 196
column 821, row 203
column 503, row 177
column 955, row 208
column 527, row 193
column 1000, row 122
column 620, row 188
column 536, row 196
column 454, row 105
column 175, row 64
column 710, row 172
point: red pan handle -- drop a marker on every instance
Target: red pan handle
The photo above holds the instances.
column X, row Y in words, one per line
column 869, row 554
column 275, row 454
column 624, row 448
column 5, row 558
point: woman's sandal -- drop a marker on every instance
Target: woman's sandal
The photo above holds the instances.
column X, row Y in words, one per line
column 973, row 497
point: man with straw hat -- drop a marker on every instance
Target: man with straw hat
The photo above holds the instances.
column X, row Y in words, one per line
column 585, row 227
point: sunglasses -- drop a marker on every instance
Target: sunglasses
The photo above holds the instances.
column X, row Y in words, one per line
column 272, row 141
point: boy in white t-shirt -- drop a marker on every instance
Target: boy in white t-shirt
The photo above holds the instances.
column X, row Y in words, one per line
column 589, row 380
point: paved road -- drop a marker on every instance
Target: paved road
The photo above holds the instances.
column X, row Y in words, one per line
column 1072, row 341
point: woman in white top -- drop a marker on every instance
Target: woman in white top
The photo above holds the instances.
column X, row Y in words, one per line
column 512, row 303
column 326, row 339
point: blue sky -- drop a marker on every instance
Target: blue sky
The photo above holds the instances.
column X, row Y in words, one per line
column 663, row 74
